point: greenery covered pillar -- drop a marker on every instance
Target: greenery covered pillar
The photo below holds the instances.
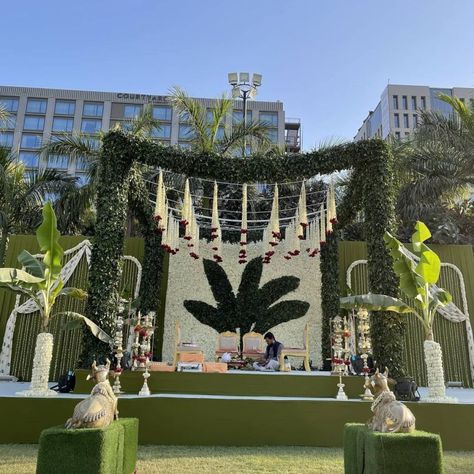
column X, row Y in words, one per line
column 143, row 210
column 387, row 328
column 329, row 289
column 107, row 252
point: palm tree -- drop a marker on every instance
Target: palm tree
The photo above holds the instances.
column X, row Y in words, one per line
column 436, row 167
column 206, row 136
column 22, row 195
column 75, row 208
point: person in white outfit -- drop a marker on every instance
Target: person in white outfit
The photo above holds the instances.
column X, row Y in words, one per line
column 272, row 354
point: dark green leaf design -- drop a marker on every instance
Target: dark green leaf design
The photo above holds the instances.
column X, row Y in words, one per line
column 31, row 264
column 252, row 303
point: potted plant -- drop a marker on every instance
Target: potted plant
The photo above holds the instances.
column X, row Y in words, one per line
column 40, row 280
column 418, row 277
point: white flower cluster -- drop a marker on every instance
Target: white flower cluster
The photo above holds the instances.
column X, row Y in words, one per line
column 187, row 281
column 434, row 369
column 41, row 365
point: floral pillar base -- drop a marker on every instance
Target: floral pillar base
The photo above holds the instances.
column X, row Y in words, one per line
column 41, row 365
column 435, row 372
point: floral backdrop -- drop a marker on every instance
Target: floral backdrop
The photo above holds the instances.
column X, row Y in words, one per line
column 187, row 280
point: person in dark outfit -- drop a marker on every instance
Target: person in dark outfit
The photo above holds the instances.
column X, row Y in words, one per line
column 272, row 354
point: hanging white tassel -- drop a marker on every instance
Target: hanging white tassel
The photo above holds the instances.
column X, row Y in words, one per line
column 160, row 213
column 313, row 238
column 216, row 235
column 331, row 208
column 243, row 227
column 322, row 220
column 303, row 215
column 167, row 234
column 186, row 210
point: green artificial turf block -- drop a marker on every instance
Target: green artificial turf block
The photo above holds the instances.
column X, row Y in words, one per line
column 88, row 450
column 387, row 453
column 130, row 443
column 354, row 438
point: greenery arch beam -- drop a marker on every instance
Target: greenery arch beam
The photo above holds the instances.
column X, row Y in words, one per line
column 370, row 190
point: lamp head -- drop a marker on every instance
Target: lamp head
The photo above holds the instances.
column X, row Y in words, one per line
column 257, row 80
column 233, row 78
column 244, row 77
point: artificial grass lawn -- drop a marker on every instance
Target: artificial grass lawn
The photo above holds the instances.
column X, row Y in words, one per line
column 21, row 459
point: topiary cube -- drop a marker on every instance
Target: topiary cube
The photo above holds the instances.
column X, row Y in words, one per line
column 89, row 450
column 130, row 443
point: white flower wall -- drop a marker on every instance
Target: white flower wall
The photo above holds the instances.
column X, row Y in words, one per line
column 187, row 281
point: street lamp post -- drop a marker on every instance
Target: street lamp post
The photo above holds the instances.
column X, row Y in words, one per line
column 243, row 89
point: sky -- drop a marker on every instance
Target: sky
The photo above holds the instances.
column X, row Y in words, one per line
column 328, row 61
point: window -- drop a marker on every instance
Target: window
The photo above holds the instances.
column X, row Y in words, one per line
column 33, row 122
column 404, row 102
column 9, row 123
column 91, row 125
column 132, row 111
column 397, row 135
column 415, row 120
column 93, row 109
column 82, row 164
column 6, row 139
column 273, row 135
column 61, row 124
column 29, row 159
column 58, row 162
column 186, row 132
column 406, row 122
column 395, row 101
column 413, row 102
column 396, row 120
column 164, row 131
column 29, row 140
column 9, row 103
column 270, row 119
column 210, row 116
column 220, row 133
column 82, row 180
column 65, row 107
column 238, row 115
column 423, row 103
column 162, row 113
column 37, row 106
column 184, row 117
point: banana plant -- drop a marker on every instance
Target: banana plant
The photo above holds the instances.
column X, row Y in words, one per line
column 418, row 278
column 41, row 280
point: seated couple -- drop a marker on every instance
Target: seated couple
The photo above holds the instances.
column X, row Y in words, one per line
column 271, row 360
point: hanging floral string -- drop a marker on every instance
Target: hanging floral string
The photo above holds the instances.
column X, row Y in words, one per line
column 216, row 235
column 292, row 238
column 273, row 234
column 314, row 238
column 243, row 228
column 302, row 212
column 193, row 241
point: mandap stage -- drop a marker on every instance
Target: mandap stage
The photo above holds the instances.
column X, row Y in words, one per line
column 233, row 409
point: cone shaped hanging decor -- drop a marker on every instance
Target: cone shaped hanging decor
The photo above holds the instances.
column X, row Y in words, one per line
column 186, row 210
column 331, row 208
column 160, row 212
column 303, row 215
column 322, row 220
column 216, row 237
column 243, row 227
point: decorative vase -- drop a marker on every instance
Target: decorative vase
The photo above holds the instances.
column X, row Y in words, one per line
column 41, row 365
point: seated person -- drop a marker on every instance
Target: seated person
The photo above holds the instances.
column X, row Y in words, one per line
column 272, row 354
